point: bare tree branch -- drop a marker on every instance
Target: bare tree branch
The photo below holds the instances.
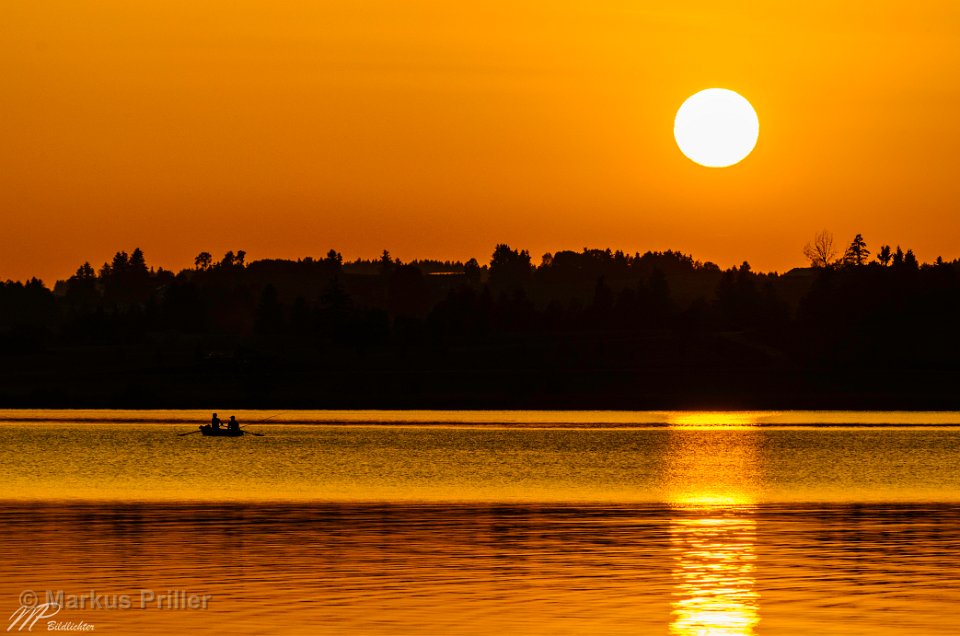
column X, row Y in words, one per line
column 821, row 251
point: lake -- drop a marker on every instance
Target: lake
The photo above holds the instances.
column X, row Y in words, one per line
column 406, row 522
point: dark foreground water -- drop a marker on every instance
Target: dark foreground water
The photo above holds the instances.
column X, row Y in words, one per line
column 682, row 523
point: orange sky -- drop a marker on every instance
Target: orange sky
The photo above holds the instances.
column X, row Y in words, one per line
column 437, row 129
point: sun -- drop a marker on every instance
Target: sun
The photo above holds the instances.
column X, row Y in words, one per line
column 716, row 128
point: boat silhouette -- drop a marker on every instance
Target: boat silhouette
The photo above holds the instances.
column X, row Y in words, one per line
column 208, row 431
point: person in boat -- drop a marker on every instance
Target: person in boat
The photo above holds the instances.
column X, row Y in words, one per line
column 233, row 425
column 215, row 423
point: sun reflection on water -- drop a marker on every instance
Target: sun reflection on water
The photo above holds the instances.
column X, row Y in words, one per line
column 713, row 532
column 713, row 571
column 725, row 419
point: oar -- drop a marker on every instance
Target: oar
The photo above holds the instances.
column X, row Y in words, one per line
column 198, row 430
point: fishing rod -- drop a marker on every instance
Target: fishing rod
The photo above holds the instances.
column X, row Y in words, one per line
column 266, row 419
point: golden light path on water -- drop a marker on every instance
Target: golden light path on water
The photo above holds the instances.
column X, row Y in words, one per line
column 713, row 532
column 714, row 564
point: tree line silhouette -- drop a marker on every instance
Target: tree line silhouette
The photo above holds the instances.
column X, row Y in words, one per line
column 580, row 328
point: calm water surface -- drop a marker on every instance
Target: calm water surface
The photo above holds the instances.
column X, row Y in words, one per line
column 513, row 522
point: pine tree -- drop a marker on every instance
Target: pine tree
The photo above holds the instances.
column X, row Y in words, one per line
column 857, row 254
column 884, row 255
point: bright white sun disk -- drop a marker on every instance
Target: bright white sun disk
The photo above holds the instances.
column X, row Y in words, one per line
column 716, row 128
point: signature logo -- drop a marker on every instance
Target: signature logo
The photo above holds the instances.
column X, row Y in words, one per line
column 27, row 615
column 31, row 611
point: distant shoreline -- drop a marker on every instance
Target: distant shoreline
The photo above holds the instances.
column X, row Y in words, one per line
column 450, row 389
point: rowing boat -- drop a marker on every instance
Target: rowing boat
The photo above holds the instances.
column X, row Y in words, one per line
column 208, row 431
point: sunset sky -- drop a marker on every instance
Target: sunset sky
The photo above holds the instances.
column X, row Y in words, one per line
column 437, row 129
